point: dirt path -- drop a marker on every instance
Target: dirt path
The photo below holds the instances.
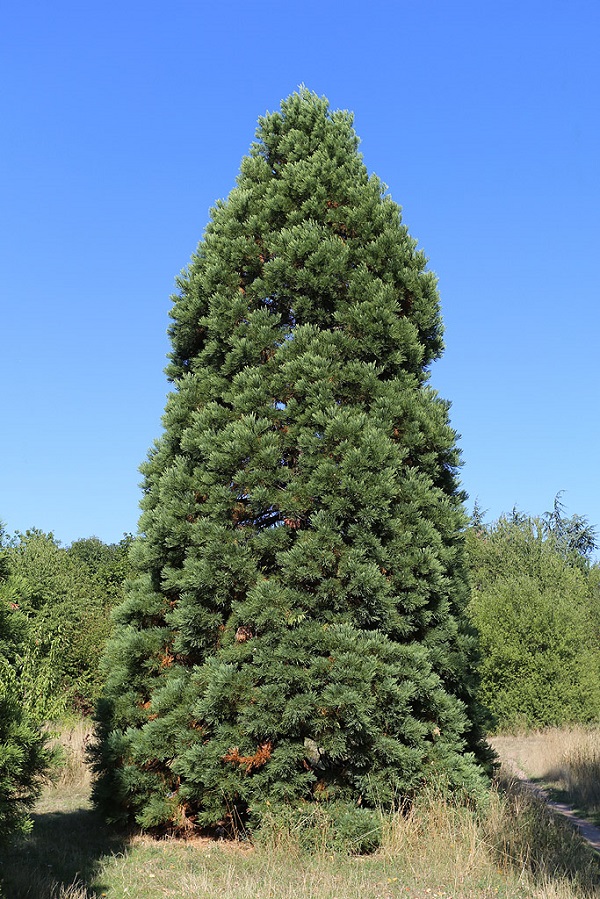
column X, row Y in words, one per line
column 590, row 832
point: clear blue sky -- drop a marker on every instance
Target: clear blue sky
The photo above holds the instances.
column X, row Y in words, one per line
column 121, row 124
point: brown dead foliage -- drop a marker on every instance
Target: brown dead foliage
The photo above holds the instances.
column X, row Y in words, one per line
column 250, row 762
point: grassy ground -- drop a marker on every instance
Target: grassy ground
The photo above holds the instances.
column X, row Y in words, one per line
column 565, row 760
column 513, row 850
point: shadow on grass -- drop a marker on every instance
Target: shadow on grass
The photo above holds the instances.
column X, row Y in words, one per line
column 62, row 856
column 578, row 783
column 543, row 842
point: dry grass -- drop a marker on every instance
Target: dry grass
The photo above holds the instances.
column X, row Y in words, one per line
column 515, row 846
column 513, row 849
column 71, row 743
column 61, row 854
column 567, row 760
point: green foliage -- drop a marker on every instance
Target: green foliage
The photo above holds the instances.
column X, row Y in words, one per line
column 296, row 630
column 320, row 827
column 575, row 537
column 533, row 606
column 23, row 757
column 64, row 598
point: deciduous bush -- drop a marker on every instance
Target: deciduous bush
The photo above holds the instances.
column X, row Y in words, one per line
column 64, row 597
column 533, row 606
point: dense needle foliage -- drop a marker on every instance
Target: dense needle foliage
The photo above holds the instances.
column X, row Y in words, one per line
column 23, row 757
column 296, row 630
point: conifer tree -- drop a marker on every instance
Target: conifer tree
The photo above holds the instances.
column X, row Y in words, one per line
column 295, row 635
column 24, row 758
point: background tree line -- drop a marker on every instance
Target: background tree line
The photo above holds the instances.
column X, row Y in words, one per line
column 55, row 606
column 535, row 602
column 60, row 600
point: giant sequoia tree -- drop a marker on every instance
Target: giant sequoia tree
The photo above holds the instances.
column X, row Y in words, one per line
column 296, row 629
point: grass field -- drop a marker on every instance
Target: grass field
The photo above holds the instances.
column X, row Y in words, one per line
column 514, row 849
column 565, row 760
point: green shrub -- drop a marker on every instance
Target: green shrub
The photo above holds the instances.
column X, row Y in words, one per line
column 532, row 606
column 317, row 827
column 64, row 597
